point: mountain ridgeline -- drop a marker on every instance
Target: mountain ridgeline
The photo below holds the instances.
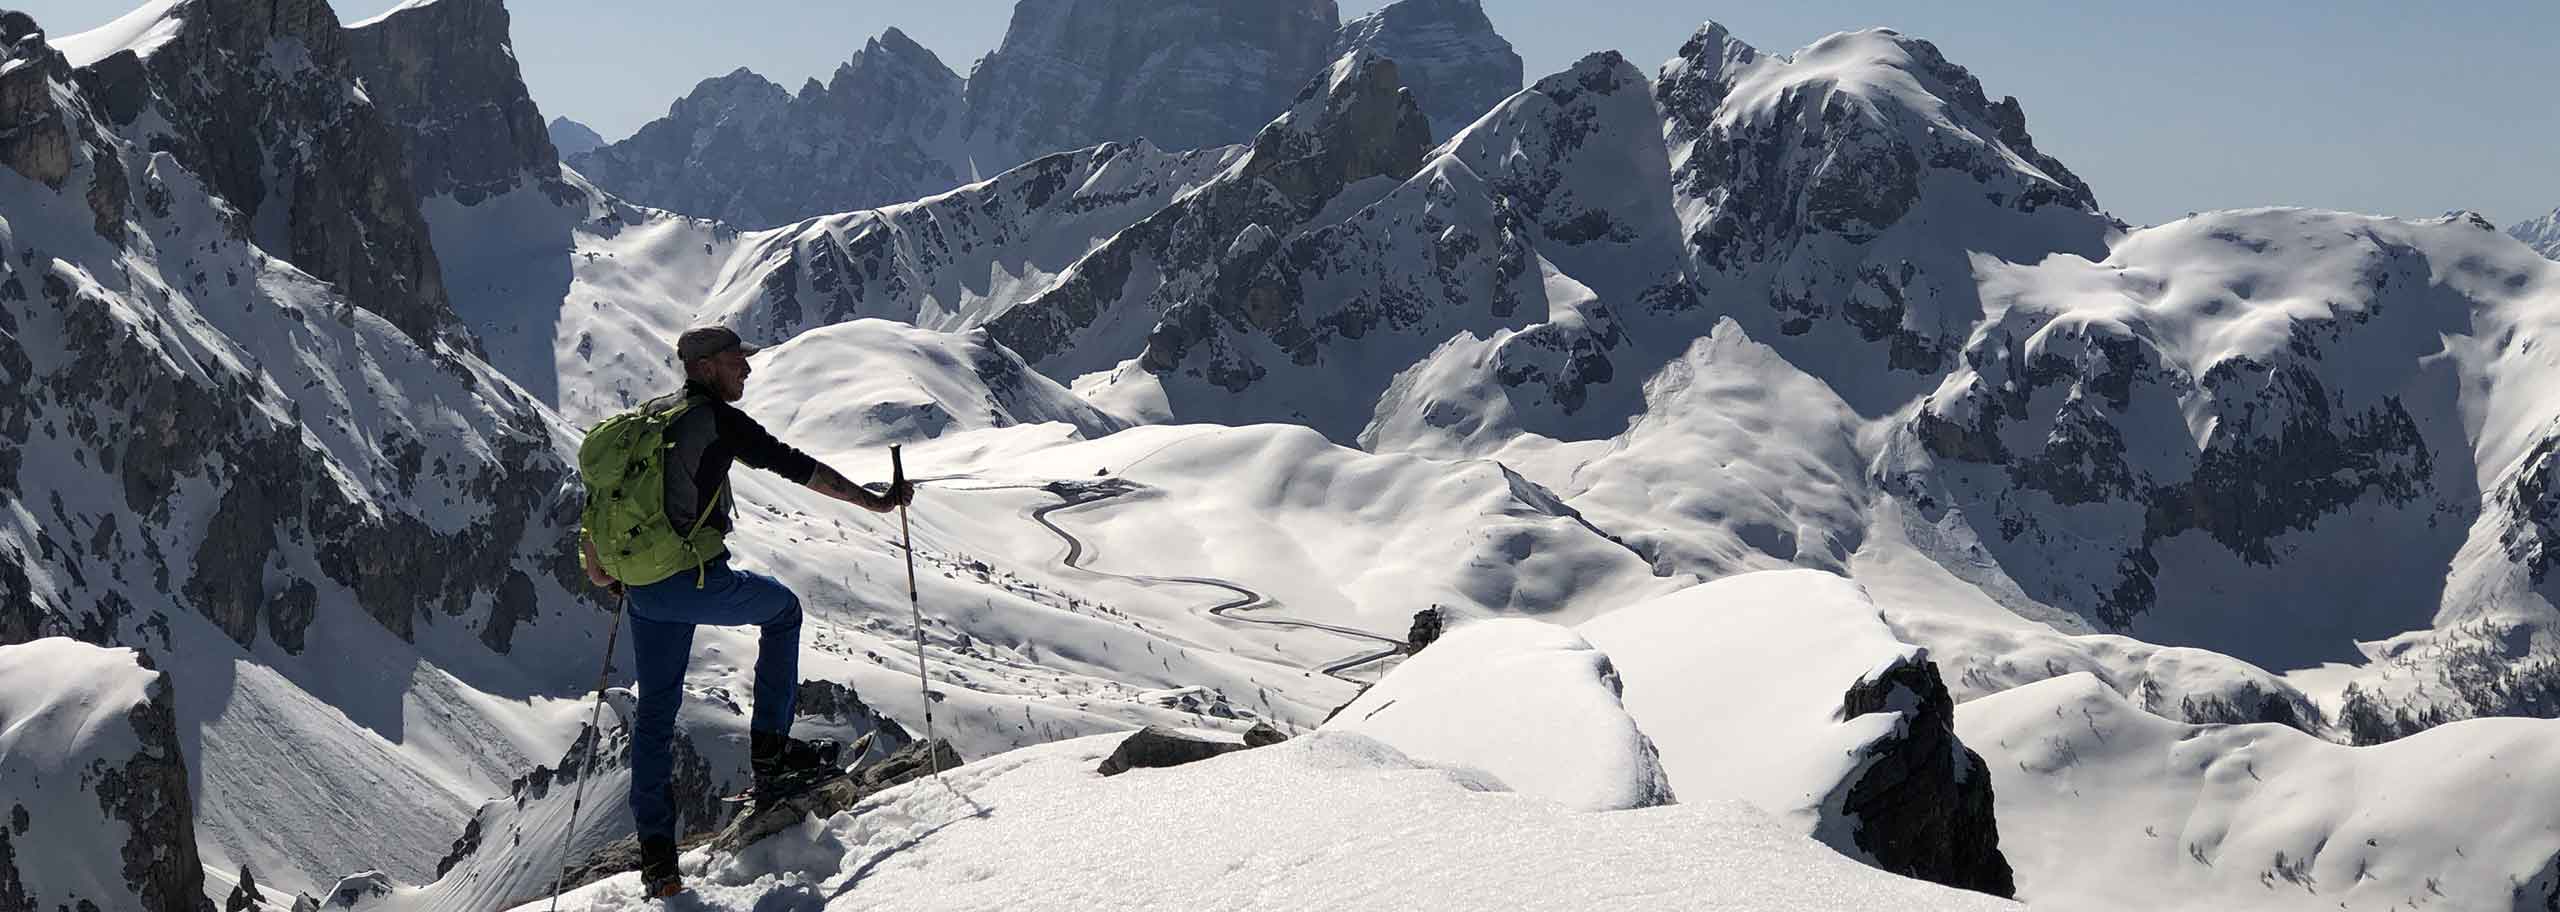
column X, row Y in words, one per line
column 896, row 123
column 299, row 321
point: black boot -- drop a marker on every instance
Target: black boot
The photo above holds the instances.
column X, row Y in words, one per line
column 781, row 760
column 658, row 878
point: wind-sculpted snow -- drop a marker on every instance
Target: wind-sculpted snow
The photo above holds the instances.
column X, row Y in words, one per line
column 885, row 128
column 1528, row 702
column 94, row 783
column 2261, row 816
column 873, row 382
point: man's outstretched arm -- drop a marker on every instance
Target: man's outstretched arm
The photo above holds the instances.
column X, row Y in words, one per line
column 827, row 481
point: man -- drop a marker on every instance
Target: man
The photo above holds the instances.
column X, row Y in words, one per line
column 700, row 444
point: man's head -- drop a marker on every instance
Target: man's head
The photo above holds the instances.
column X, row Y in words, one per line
column 715, row 359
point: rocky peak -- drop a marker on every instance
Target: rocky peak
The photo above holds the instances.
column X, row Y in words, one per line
column 570, row 137
column 2542, row 234
column 1456, row 64
column 444, row 74
column 1355, row 121
column 1184, row 74
column 261, row 99
column 739, row 148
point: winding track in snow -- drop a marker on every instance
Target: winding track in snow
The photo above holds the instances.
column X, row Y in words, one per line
column 1078, row 494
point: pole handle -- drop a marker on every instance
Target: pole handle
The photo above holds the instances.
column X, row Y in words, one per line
column 897, row 466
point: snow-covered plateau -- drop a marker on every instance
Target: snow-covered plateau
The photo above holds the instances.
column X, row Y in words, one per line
column 1760, row 481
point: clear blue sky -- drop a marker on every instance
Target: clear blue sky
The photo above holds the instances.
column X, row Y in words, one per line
column 2164, row 107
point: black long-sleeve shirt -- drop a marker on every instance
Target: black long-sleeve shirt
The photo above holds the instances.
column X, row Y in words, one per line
column 706, row 440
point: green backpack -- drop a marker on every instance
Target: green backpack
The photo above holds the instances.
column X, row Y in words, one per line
column 625, row 467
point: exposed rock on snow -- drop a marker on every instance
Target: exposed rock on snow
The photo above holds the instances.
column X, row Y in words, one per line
column 1765, row 659
column 95, row 779
column 885, row 128
column 1923, row 803
column 1456, row 65
column 1188, row 74
column 1156, row 747
column 444, row 74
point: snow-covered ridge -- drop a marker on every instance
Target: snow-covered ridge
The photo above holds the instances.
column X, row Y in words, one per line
column 94, row 782
column 2541, row 233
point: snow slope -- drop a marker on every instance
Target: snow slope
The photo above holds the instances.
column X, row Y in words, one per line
column 1525, row 701
column 2262, row 816
column 1326, row 820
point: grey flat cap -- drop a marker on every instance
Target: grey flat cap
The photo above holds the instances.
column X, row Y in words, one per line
column 705, row 341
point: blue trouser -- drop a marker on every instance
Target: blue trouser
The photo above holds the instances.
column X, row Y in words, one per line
column 663, row 615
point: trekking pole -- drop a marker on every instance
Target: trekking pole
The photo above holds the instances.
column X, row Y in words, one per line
column 924, row 691
column 595, row 738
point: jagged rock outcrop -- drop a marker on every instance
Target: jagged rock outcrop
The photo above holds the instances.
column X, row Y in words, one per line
column 1456, row 64
column 1157, row 747
column 1353, row 123
column 257, row 98
column 1921, row 800
column 570, row 137
column 1186, row 74
column 2541, row 233
column 885, row 128
column 95, row 779
column 444, row 74
column 244, row 894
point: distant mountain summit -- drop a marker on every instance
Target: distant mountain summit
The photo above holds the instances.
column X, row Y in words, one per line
column 1456, row 64
column 2541, row 234
column 896, row 125
column 573, row 138
column 883, row 129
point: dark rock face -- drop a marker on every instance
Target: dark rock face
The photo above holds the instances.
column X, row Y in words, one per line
column 1187, row 74
column 258, row 98
column 46, row 143
column 1427, row 624
column 444, row 75
column 1155, row 747
column 1352, row 123
column 245, row 895
column 1918, row 812
column 1456, row 65
column 884, row 129
column 148, row 793
column 570, row 137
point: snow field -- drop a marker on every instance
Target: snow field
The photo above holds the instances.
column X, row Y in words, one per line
column 1328, row 820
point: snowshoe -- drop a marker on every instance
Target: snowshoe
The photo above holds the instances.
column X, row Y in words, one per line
column 793, row 767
